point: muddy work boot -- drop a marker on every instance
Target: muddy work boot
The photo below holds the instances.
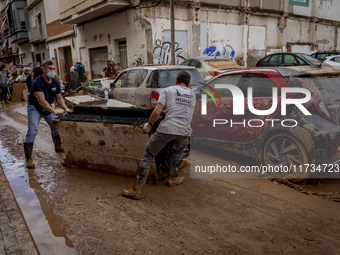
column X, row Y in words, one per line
column 58, row 147
column 140, row 180
column 173, row 179
column 28, row 147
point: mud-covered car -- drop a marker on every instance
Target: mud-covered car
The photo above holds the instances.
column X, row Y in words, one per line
column 320, row 55
column 142, row 86
column 209, row 67
column 289, row 59
column 308, row 141
column 334, row 61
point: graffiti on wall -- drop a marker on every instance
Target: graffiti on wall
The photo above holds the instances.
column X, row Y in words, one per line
column 111, row 56
column 162, row 52
column 322, row 41
column 139, row 61
column 226, row 51
column 140, row 57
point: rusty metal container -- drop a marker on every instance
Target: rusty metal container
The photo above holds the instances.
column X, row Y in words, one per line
column 109, row 139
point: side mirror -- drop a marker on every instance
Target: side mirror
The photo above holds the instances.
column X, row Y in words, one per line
column 112, row 85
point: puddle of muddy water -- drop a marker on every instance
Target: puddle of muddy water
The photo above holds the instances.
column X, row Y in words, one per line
column 41, row 222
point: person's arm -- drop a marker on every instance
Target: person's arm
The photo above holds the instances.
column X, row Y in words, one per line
column 154, row 117
column 41, row 100
column 61, row 101
column 32, row 76
column 156, row 113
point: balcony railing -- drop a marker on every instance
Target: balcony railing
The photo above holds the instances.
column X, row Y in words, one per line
column 37, row 34
column 4, row 11
column 6, row 32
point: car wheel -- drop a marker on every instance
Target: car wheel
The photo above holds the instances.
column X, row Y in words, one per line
column 286, row 150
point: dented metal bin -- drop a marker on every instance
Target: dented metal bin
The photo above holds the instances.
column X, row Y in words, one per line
column 110, row 140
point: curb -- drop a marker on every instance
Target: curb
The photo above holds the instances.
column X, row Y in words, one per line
column 15, row 237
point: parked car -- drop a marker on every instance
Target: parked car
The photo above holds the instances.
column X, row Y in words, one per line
column 209, row 67
column 289, row 59
column 142, row 86
column 320, row 55
column 314, row 140
column 333, row 60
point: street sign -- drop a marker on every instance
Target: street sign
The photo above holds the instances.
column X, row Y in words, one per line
column 299, row 2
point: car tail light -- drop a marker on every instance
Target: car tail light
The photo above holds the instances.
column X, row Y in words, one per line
column 154, row 98
column 213, row 73
column 321, row 107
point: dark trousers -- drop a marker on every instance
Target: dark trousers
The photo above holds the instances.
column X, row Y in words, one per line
column 4, row 91
column 157, row 142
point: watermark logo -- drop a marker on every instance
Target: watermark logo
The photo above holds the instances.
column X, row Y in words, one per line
column 238, row 99
column 205, row 97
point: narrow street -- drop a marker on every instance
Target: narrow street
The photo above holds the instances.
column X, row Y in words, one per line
column 77, row 211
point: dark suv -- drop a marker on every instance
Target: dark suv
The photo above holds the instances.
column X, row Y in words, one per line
column 289, row 59
column 320, row 55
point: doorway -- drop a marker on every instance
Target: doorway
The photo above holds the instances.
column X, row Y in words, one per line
column 38, row 58
column 68, row 59
column 123, row 54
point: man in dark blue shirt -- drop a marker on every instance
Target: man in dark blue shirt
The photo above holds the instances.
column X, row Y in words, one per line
column 43, row 91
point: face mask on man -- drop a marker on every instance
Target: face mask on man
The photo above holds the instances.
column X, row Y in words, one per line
column 50, row 74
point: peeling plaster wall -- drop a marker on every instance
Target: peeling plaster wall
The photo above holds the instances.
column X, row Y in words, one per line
column 216, row 29
column 296, row 31
column 240, row 37
column 162, row 43
column 323, row 9
column 325, row 37
column 329, row 9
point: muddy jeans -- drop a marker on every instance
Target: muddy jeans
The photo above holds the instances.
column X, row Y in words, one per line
column 4, row 91
column 33, row 123
column 157, row 142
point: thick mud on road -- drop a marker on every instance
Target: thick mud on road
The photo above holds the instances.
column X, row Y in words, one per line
column 72, row 211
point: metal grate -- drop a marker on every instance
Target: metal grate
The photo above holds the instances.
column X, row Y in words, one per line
column 99, row 58
column 123, row 56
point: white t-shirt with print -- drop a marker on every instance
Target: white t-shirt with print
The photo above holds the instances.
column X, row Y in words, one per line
column 179, row 102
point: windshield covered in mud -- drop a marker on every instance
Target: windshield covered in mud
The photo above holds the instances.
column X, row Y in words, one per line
column 167, row 78
column 218, row 62
column 310, row 59
column 329, row 88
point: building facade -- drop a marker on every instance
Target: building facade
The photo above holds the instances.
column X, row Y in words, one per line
column 135, row 32
column 15, row 28
column 241, row 30
column 37, row 34
column 49, row 39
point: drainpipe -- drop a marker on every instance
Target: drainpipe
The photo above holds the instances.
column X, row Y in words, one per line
column 245, row 22
column 172, row 24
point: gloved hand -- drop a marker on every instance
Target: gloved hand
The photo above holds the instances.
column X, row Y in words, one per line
column 147, row 128
column 67, row 110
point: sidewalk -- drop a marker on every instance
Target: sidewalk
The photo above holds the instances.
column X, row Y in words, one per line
column 15, row 237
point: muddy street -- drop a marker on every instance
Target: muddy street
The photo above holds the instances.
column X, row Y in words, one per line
column 77, row 211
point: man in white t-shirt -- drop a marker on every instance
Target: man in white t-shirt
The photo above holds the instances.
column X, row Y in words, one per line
column 179, row 102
